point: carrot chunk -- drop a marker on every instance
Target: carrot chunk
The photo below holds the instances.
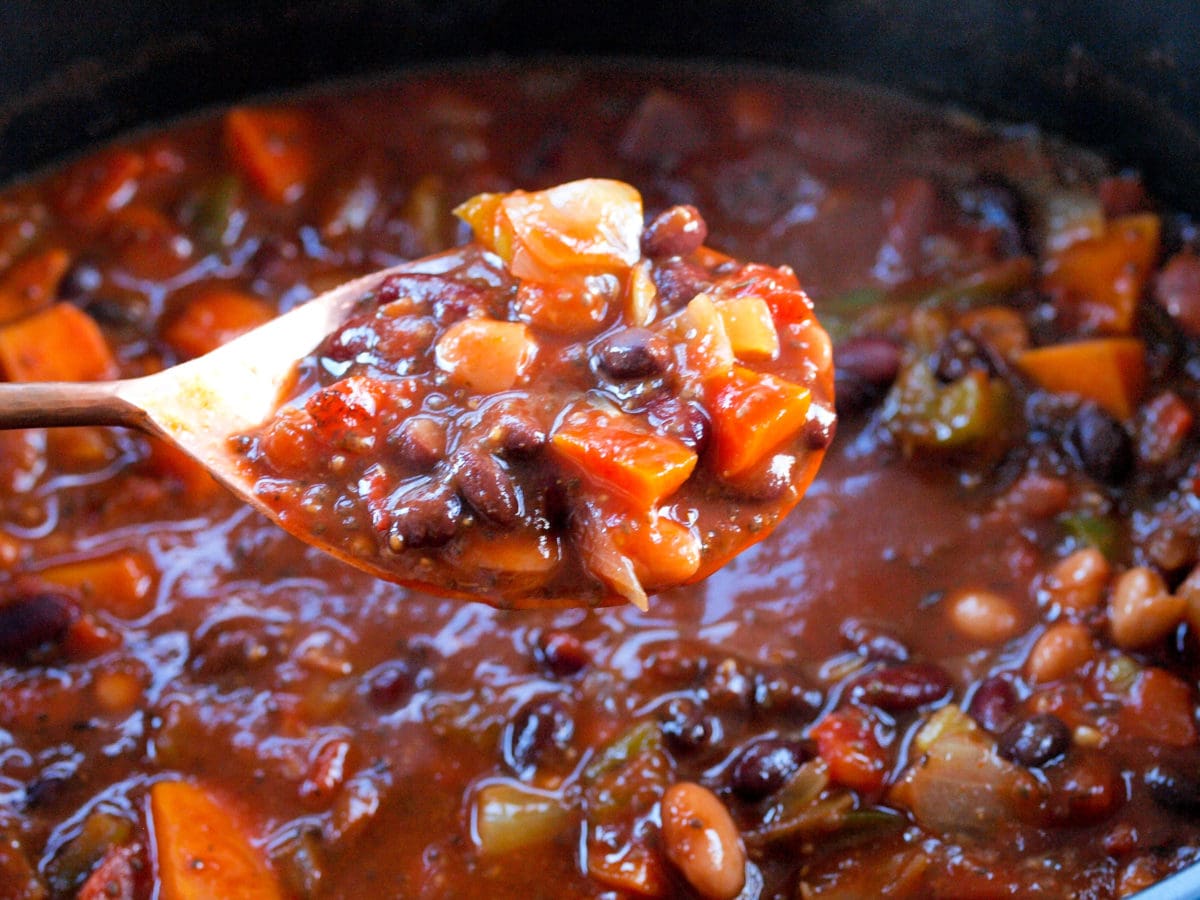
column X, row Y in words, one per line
column 213, row 318
column 202, row 852
column 753, row 414
column 615, row 450
column 96, row 187
column 1102, row 278
column 121, row 583
column 58, row 344
column 1110, row 371
column 662, row 552
column 750, row 327
column 32, row 283
column 273, row 148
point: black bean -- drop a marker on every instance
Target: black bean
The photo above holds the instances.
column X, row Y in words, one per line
column 633, row 353
column 44, row 791
column 113, row 313
column 995, row 204
column 873, row 642
column 82, row 279
column 560, row 653
column 764, row 766
column 538, row 734
column 389, row 683
column 1100, row 445
column 1173, row 788
column 957, row 355
column 993, row 703
column 676, row 231
column 685, row 727
column 902, row 687
column 32, row 618
column 426, row 515
column 515, row 429
column 486, row 485
column 1035, row 741
column 783, row 690
column 678, row 281
column 419, row 443
column 687, row 421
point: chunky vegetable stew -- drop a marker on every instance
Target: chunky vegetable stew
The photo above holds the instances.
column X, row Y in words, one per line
column 522, row 420
column 965, row 666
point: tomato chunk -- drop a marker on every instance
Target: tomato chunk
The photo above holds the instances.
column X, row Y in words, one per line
column 753, row 413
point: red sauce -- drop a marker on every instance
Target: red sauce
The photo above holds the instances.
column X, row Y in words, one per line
column 964, row 666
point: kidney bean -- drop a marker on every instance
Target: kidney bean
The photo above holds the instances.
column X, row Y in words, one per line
column 1173, row 788
column 700, row 838
column 426, row 515
column 685, row 727
column 537, row 734
column 902, row 687
column 633, row 353
column 1035, row 741
column 389, row 683
column 561, row 653
column 872, row 641
column 783, row 690
column 676, row 231
column 487, row 486
column 33, row 617
column 864, row 368
column 419, row 442
column 994, row 703
column 1101, row 446
column 765, row 765
column 677, row 282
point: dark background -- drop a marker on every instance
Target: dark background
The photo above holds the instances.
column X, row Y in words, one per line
column 1119, row 74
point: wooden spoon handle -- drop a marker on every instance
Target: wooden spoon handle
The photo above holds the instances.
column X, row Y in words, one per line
column 49, row 404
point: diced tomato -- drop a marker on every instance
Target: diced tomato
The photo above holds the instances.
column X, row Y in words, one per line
column 347, row 405
column 213, row 318
column 569, row 308
column 148, row 242
column 846, row 741
column 618, row 452
column 634, row 869
column 1160, row 708
column 32, row 283
column 60, row 343
column 752, row 415
column 1100, row 280
column 93, row 189
column 274, row 150
column 1110, row 371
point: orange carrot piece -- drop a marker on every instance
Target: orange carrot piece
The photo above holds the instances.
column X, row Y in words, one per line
column 203, row 853
column 1110, row 371
column 31, row 283
column 213, row 318
column 663, row 552
column 121, row 582
column 60, row 343
column 273, row 149
column 1102, row 278
column 616, row 451
column 752, row 415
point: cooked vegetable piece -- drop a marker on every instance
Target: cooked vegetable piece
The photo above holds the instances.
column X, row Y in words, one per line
column 925, row 413
column 753, row 413
column 58, row 344
column 509, row 817
column 1110, row 371
column 662, row 552
column 32, row 283
column 94, row 188
column 622, row 455
column 274, row 150
column 202, row 850
column 1102, row 278
column 750, row 327
column 486, row 356
column 215, row 317
column 121, row 582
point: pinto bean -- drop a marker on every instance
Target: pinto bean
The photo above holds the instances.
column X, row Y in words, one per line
column 983, row 616
column 1077, row 582
column 1062, row 650
column 702, row 841
column 1140, row 611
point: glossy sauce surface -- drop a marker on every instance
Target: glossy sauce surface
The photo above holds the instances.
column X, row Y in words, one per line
column 368, row 741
